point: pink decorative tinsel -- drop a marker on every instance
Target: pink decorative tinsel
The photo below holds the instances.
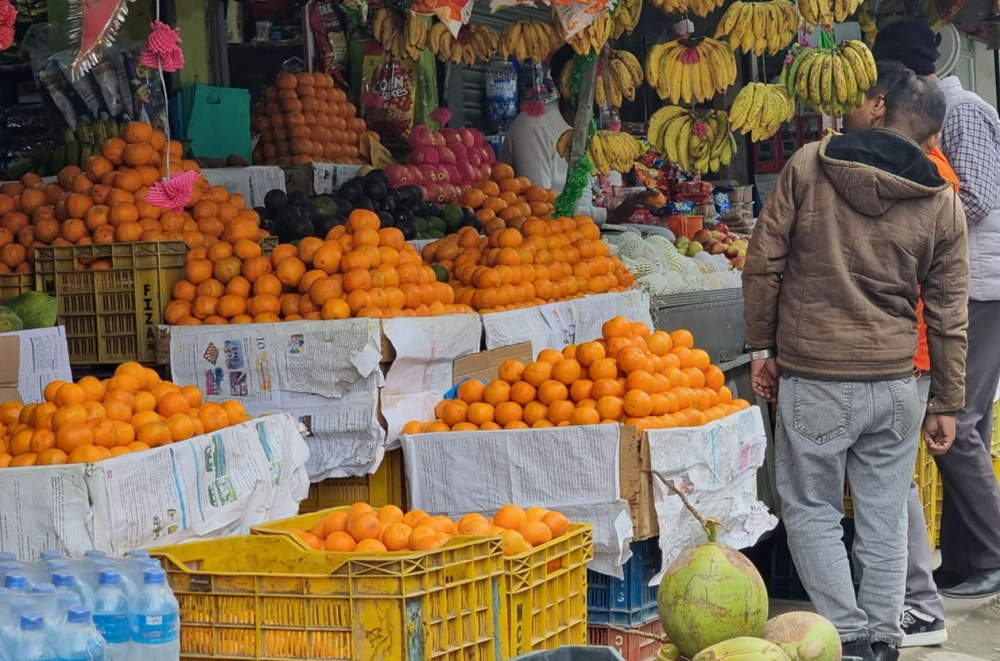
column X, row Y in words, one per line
column 162, row 48
column 8, row 16
column 173, row 194
column 441, row 116
column 533, row 108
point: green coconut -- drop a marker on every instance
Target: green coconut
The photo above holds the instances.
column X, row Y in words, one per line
column 711, row 594
column 805, row 636
column 668, row 652
column 743, row 648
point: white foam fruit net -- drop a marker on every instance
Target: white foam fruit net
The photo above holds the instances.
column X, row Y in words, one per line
column 661, row 270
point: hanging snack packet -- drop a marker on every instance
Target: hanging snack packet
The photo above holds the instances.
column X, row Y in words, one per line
column 390, row 95
column 330, row 37
column 145, row 90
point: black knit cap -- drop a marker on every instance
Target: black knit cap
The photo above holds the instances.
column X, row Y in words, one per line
column 909, row 41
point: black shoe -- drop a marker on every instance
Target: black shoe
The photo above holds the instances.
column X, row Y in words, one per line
column 859, row 649
column 921, row 629
column 948, row 578
column 979, row 585
column 884, row 652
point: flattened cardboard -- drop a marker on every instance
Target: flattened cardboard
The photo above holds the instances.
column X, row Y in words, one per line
column 10, row 368
column 483, row 365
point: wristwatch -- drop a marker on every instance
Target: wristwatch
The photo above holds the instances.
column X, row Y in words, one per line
column 762, row 354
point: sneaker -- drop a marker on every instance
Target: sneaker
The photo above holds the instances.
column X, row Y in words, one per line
column 921, row 629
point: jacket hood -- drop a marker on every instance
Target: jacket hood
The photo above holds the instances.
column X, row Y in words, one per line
column 872, row 170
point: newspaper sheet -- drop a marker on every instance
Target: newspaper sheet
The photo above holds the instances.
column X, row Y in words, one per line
column 328, row 177
column 44, row 358
column 573, row 470
column 252, row 182
column 326, row 373
column 210, row 486
column 421, row 372
column 715, row 466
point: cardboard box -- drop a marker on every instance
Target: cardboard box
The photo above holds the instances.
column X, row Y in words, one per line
column 483, row 365
column 30, row 360
column 213, row 485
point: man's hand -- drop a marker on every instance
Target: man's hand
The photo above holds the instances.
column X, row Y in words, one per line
column 939, row 433
column 764, row 378
column 648, row 199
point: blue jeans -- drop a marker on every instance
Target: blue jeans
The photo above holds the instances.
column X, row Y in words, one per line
column 870, row 430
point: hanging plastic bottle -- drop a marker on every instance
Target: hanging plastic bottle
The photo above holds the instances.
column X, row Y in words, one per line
column 501, row 90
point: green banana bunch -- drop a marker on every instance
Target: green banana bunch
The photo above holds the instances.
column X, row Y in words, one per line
column 760, row 109
column 759, row 27
column 690, row 70
column 833, row 80
column 608, row 150
column 697, row 141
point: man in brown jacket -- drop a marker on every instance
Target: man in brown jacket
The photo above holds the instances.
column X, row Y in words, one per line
column 854, row 227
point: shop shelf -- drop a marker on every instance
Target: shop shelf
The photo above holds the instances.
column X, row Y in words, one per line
column 111, row 316
column 13, row 284
column 630, row 646
column 629, row 601
column 264, row 597
column 386, row 486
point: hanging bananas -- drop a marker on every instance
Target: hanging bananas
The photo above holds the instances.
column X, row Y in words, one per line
column 690, row 70
column 700, row 8
column 608, row 150
column 529, row 40
column 833, row 80
column 697, row 141
column 626, row 17
column 760, row 109
column 759, row 27
column 402, row 35
column 474, row 43
column 826, row 12
column 594, row 36
column 869, row 28
column 619, row 75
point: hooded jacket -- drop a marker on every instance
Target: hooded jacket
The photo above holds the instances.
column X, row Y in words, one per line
column 855, row 226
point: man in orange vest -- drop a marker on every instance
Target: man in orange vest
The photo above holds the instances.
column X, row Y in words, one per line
column 922, row 621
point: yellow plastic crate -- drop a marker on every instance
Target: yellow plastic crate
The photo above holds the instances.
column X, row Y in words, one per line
column 995, row 439
column 386, row 486
column 996, row 467
column 265, row 597
column 925, row 474
column 543, row 593
column 14, row 284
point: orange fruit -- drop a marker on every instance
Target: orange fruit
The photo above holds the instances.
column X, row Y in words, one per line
column 535, row 532
column 497, row 392
column 557, row 523
column 396, row 536
column 470, row 391
column 181, row 426
column 69, row 438
column 340, row 542
column 510, row 370
column 370, row 546
column 153, row 434
column 566, row 371
column 514, row 543
column 213, row 417
column 537, row 372
column 70, row 393
column 638, row 404
column 682, row 338
column 507, row 413
column 510, row 517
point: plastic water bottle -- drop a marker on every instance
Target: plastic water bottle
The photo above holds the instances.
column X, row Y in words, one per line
column 111, row 616
column 43, row 598
column 7, row 556
column 10, row 618
column 129, row 586
column 67, row 581
column 79, row 640
column 155, row 620
column 10, row 566
column 30, row 643
column 134, row 571
column 95, row 554
column 18, row 582
column 64, row 601
column 52, row 554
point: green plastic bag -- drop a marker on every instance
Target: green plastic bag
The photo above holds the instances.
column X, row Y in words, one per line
column 216, row 120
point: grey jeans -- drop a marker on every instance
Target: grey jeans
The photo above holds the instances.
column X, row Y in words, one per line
column 870, row 431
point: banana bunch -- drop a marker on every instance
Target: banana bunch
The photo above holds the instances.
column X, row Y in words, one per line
column 690, row 69
column 833, row 80
column 618, row 77
column 474, row 43
column 698, row 141
column 626, row 17
column 826, row 12
column 401, row 35
column 869, row 28
column 701, row 8
column 759, row 27
column 594, row 36
column 529, row 40
column 760, row 109
column 608, row 150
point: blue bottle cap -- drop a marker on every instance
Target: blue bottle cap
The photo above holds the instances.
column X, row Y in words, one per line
column 56, row 565
column 32, row 621
column 16, row 581
column 94, row 553
column 78, row 615
column 139, row 553
column 109, row 577
column 43, row 588
column 63, row 579
column 11, row 565
column 51, row 554
column 154, row 576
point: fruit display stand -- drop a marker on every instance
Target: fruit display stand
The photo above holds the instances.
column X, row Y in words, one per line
column 542, row 591
column 30, row 360
column 252, row 182
column 317, row 178
column 267, row 597
column 209, row 485
column 386, row 486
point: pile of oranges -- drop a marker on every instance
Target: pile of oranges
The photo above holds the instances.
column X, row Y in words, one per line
column 363, row 529
column 92, row 419
column 106, row 203
column 652, row 380
column 303, row 119
column 357, row 270
column 506, row 197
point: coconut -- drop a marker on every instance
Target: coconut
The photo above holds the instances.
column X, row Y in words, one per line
column 668, row 652
column 710, row 594
column 743, row 648
column 805, row 636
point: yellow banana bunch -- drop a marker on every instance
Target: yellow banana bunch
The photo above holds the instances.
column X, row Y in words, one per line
column 474, row 43
column 402, row 35
column 626, row 17
column 690, row 70
column 671, row 6
column 833, row 80
column 696, row 140
column 827, row 12
column 529, row 40
column 869, row 28
column 594, row 36
column 608, row 150
column 759, row 27
column 619, row 75
column 760, row 109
